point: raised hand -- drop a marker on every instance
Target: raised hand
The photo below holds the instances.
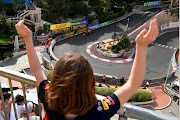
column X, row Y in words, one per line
column 144, row 38
column 23, row 30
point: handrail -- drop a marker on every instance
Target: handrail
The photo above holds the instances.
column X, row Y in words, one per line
column 17, row 76
column 131, row 111
column 127, row 110
column 140, row 113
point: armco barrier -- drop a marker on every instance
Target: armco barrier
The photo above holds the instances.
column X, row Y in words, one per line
column 170, row 25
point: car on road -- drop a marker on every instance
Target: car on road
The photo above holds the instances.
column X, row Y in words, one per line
column 146, row 13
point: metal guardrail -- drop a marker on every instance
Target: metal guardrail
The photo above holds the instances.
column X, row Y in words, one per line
column 126, row 111
column 23, row 79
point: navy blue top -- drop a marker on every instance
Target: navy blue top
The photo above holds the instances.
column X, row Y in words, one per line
column 103, row 110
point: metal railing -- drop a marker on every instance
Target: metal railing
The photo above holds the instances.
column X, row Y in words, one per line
column 23, row 79
column 126, row 111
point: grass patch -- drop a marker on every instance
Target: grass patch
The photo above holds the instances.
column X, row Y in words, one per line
column 4, row 38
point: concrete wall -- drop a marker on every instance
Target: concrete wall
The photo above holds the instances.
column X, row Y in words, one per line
column 161, row 17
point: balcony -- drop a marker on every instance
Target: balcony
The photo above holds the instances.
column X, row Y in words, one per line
column 126, row 112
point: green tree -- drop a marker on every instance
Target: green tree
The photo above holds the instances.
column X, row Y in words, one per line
column 2, row 5
column 10, row 10
column 80, row 7
column 95, row 2
column 174, row 12
column 2, row 21
column 125, row 41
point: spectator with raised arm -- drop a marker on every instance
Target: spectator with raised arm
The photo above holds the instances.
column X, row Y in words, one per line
column 71, row 93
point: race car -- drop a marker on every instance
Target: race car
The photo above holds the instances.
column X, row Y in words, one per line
column 146, row 13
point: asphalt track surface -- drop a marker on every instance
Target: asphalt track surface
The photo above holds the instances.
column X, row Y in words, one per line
column 158, row 57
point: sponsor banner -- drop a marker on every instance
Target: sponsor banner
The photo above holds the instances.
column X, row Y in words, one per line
column 78, row 27
column 63, row 30
column 82, row 30
column 68, row 34
column 58, row 26
column 79, row 23
column 68, row 29
column 104, row 24
column 151, row 3
column 93, row 27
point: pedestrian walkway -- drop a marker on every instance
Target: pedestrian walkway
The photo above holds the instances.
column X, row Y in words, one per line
column 162, row 99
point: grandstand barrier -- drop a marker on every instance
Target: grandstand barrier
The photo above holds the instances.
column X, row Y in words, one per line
column 126, row 111
column 169, row 25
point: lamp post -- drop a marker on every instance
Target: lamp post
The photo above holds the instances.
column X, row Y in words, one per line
column 127, row 24
column 143, row 14
column 116, row 19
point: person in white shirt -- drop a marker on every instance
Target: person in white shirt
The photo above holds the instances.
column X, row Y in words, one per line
column 19, row 104
column 30, row 107
column 147, row 84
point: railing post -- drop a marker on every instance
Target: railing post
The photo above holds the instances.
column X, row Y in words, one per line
column 24, row 92
column 14, row 106
column 39, row 105
column 2, row 98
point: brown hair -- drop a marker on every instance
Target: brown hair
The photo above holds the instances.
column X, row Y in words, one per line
column 72, row 87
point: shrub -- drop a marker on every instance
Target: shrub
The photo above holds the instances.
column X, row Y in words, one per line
column 141, row 95
column 49, row 74
column 46, row 27
column 116, row 48
column 105, row 91
column 144, row 97
column 129, row 9
column 99, row 85
column 81, row 7
column 91, row 18
column 98, row 9
column 7, row 54
column 10, row 10
column 39, row 32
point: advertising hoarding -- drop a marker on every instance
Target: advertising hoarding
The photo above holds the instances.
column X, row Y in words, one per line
column 104, row 24
column 79, row 23
column 151, row 3
column 93, row 27
column 58, row 26
column 65, row 30
column 68, row 34
column 82, row 30
column 78, row 27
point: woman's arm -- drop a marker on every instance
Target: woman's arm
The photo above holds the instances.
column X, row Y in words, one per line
column 34, row 63
column 143, row 39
